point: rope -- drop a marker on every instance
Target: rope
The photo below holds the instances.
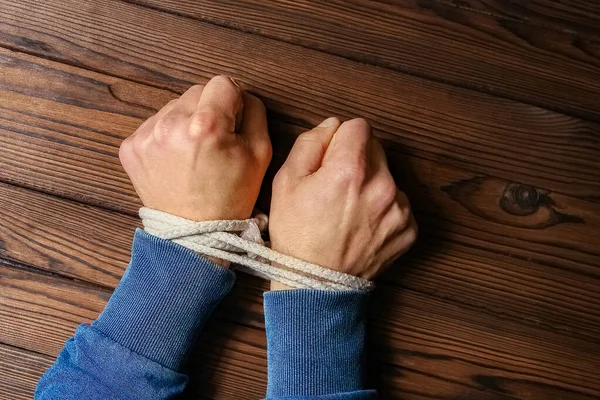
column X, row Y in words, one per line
column 240, row 242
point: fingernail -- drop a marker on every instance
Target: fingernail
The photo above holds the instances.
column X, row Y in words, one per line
column 235, row 83
column 329, row 122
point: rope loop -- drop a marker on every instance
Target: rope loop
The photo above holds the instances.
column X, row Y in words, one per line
column 240, row 242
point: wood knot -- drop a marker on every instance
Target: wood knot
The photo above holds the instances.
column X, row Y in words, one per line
column 509, row 203
column 521, row 199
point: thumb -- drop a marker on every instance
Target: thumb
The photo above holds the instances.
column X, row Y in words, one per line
column 307, row 153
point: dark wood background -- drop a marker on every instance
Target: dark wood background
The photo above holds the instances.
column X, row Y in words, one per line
column 489, row 111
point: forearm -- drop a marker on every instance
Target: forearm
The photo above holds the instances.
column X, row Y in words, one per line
column 137, row 346
column 315, row 344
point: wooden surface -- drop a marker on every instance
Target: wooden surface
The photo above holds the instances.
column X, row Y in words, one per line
column 490, row 115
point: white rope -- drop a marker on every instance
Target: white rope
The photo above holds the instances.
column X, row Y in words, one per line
column 240, row 242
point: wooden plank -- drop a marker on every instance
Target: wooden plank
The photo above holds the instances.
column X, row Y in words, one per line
column 65, row 237
column 71, row 151
column 499, row 305
column 453, row 351
column 54, row 234
column 579, row 17
column 469, row 251
column 20, row 371
column 114, row 230
column 407, row 331
column 438, row 40
column 428, row 120
column 401, row 334
column 40, row 312
column 94, row 117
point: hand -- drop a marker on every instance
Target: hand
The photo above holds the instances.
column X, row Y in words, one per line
column 203, row 156
column 190, row 160
column 335, row 202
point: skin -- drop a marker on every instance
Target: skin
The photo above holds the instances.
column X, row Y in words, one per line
column 203, row 157
column 336, row 204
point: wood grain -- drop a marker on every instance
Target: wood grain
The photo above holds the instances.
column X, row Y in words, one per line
column 456, row 209
column 20, row 371
column 512, row 324
column 72, row 152
column 471, row 351
column 65, row 237
column 580, row 17
column 499, row 300
column 53, row 234
column 429, row 120
column 478, row 50
column 39, row 313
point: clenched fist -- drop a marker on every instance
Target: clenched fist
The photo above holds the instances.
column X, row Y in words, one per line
column 202, row 156
column 335, row 202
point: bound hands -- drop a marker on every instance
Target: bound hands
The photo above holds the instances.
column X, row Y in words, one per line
column 203, row 157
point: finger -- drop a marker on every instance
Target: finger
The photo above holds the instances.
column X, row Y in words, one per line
column 253, row 126
column 398, row 245
column 147, row 124
column 190, row 99
column 175, row 120
column 398, row 217
column 307, row 153
column 350, row 144
column 377, row 159
column 222, row 98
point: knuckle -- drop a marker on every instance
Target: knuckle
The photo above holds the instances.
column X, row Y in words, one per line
column 283, row 180
column 166, row 108
column 359, row 126
column 171, row 103
column 196, row 87
column 139, row 144
column 387, row 191
column 309, row 138
column 223, row 80
column 352, row 172
column 220, row 78
column 203, row 123
column 280, row 179
column 411, row 234
column 353, row 169
column 165, row 124
column 404, row 218
column 265, row 152
column 254, row 103
column 125, row 150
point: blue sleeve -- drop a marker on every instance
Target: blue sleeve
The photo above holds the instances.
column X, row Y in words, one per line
column 137, row 347
column 315, row 342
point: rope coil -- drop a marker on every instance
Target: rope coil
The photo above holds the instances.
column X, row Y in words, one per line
column 240, row 242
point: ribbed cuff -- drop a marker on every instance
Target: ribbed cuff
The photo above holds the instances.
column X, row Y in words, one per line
column 163, row 299
column 315, row 342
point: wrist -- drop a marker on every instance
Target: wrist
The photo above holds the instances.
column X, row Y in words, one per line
column 220, row 262
column 315, row 339
column 163, row 300
column 280, row 286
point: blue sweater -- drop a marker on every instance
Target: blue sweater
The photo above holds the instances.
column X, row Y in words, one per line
column 137, row 347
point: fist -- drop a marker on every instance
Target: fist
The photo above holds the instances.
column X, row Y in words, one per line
column 202, row 156
column 335, row 202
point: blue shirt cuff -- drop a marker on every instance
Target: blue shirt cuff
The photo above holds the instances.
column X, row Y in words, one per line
column 163, row 299
column 315, row 342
